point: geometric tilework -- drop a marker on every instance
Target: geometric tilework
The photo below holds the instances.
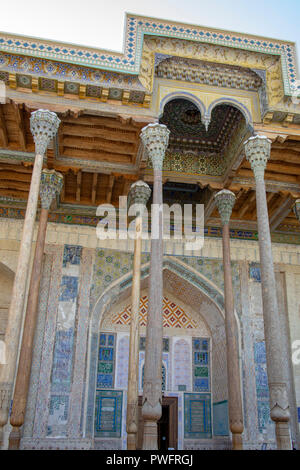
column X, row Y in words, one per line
column 197, row 416
column 173, row 316
column 136, row 28
column 105, row 372
column 108, row 415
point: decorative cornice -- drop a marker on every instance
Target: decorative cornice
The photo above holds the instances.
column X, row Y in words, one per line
column 135, row 29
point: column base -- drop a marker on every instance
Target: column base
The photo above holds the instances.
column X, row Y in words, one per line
column 131, row 441
column 237, row 441
column 150, row 435
column 283, row 436
column 14, row 439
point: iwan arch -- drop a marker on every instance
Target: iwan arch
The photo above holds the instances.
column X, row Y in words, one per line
column 150, row 346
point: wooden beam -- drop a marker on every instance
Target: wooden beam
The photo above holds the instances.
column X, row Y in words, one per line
column 126, row 187
column 3, row 129
column 281, row 213
column 94, row 187
column 98, row 144
column 97, row 156
column 20, row 124
column 246, row 204
column 89, row 120
column 78, row 187
column 110, row 188
column 99, row 131
column 269, row 175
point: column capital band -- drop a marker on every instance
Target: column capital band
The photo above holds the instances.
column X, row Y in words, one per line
column 225, row 201
column 155, row 137
column 44, row 125
column 51, row 184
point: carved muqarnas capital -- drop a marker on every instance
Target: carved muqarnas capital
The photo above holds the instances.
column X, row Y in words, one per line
column 279, row 403
column 257, row 149
column 51, row 184
column 155, row 137
column 139, row 193
column 225, row 201
column 43, row 125
column 297, row 209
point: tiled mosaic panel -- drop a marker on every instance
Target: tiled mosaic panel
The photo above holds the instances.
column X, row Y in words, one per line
column 173, row 315
column 58, row 415
column 108, row 413
column 106, row 360
column 220, row 419
column 62, row 360
column 197, row 416
column 63, row 355
column 262, row 388
column 201, row 365
column 254, row 272
column 182, row 365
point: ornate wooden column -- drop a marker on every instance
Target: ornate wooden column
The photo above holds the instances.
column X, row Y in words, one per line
column 155, row 138
column 138, row 194
column 225, row 201
column 43, row 125
column 51, row 184
column 257, row 150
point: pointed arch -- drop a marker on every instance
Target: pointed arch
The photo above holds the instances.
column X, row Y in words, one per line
column 182, row 95
column 231, row 102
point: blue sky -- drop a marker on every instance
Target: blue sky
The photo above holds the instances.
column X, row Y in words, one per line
column 100, row 23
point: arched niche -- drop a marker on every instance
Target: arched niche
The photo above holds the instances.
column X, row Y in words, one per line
column 186, row 284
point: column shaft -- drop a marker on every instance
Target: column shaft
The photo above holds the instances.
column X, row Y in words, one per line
column 233, row 372
column 133, row 368
column 152, row 394
column 277, row 385
column 24, row 366
column 18, row 294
